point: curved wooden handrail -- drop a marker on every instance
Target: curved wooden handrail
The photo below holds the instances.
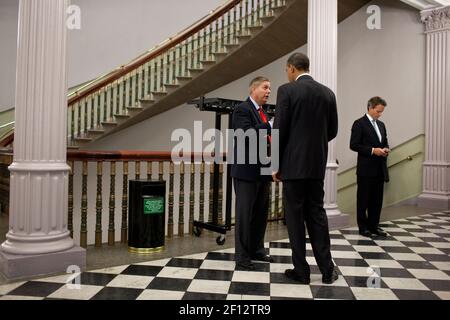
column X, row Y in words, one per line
column 127, row 155
column 183, row 35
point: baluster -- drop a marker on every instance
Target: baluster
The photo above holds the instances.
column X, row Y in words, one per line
column 98, row 206
column 204, row 46
column 180, row 60
column 92, row 125
column 192, row 198
column 211, row 191
column 192, row 52
column 149, row 170
column 85, row 117
column 161, row 74
column 174, row 66
column 84, row 204
column 277, row 199
column 143, row 83
column 181, row 203
column 105, row 104
column 111, row 102
column 210, row 41
column 118, row 95
column 155, row 75
column 202, row 192
column 216, row 35
column 228, row 41
column 70, row 204
column 138, row 170
column 112, row 205
column 78, row 119
column 123, row 237
column 161, row 171
column 72, row 122
column 199, row 49
column 170, row 218
column 130, row 91
column 149, row 79
column 97, row 110
column 136, row 88
column 124, row 95
column 222, row 33
column 220, row 200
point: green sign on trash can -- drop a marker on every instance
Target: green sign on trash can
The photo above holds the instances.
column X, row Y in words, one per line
column 153, row 205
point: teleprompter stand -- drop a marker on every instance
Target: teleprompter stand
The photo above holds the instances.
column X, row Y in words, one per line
column 220, row 107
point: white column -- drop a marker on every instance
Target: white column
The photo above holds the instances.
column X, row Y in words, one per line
column 436, row 169
column 39, row 173
column 322, row 51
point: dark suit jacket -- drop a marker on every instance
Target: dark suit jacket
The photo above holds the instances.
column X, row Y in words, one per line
column 246, row 117
column 363, row 139
column 306, row 116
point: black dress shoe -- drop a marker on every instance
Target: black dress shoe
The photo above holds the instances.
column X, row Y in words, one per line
column 379, row 232
column 365, row 233
column 291, row 274
column 329, row 279
column 246, row 265
column 264, row 258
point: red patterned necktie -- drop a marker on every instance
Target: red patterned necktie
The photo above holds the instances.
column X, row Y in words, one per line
column 264, row 119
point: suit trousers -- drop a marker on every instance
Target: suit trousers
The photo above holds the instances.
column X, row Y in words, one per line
column 370, row 201
column 252, row 206
column 304, row 205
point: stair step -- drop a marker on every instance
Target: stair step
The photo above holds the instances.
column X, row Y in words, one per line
column 122, row 116
column 137, row 109
column 231, row 45
column 109, row 124
column 171, row 85
column 83, row 140
column 267, row 19
column 208, row 62
column 195, row 70
column 278, row 9
column 159, row 94
column 255, row 28
column 219, row 53
column 96, row 131
column 244, row 36
column 73, row 147
column 184, row 78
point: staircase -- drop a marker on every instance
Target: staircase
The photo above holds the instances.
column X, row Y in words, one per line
column 237, row 38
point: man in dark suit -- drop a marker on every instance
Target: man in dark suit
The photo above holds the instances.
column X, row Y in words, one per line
column 369, row 139
column 250, row 123
column 306, row 117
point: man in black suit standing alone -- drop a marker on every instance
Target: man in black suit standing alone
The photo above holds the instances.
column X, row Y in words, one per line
column 251, row 187
column 369, row 139
column 306, row 116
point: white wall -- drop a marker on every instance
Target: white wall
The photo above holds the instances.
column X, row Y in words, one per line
column 388, row 62
column 8, row 44
column 112, row 33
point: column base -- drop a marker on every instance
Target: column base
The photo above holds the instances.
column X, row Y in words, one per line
column 434, row 201
column 15, row 267
column 338, row 221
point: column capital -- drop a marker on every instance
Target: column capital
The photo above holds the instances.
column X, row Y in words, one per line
column 436, row 19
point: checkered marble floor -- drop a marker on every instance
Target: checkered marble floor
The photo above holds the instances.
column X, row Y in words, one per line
column 411, row 263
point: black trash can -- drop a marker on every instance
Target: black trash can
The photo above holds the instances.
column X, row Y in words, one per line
column 146, row 216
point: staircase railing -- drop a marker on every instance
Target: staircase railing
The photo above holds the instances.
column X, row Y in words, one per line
column 113, row 98
column 98, row 193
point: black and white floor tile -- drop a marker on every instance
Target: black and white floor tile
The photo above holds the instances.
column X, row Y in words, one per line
column 411, row 263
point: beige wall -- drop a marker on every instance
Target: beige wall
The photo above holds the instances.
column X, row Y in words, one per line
column 387, row 62
column 112, row 33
